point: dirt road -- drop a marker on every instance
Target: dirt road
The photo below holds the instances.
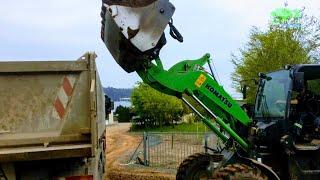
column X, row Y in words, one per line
column 119, row 143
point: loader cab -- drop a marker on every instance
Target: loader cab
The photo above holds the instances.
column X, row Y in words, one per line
column 287, row 121
column 288, row 102
column 277, row 89
column 271, row 108
column 272, row 95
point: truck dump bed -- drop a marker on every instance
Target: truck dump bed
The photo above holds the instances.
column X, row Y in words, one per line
column 50, row 109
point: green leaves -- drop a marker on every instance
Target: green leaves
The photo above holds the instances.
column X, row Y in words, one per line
column 123, row 114
column 155, row 108
column 272, row 50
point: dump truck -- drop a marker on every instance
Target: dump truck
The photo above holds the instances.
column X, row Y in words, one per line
column 52, row 120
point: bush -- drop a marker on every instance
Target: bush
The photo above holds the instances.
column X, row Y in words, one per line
column 123, row 113
column 155, row 108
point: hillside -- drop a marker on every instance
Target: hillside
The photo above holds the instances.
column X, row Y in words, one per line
column 116, row 93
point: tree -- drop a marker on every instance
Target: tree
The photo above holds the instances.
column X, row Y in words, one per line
column 273, row 49
column 123, row 114
column 153, row 107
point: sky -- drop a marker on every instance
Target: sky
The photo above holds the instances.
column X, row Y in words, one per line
column 65, row 29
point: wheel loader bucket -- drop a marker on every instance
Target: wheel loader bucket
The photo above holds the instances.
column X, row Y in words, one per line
column 133, row 30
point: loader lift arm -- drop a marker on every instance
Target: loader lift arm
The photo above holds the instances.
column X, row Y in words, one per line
column 188, row 78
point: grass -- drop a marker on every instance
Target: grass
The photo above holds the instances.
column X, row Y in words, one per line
column 183, row 127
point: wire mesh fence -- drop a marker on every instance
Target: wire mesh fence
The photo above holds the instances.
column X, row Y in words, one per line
column 168, row 150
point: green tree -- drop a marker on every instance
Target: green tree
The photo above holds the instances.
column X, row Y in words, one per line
column 273, row 49
column 155, row 108
column 123, row 114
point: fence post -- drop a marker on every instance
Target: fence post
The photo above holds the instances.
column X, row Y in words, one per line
column 145, row 149
column 206, row 142
column 171, row 140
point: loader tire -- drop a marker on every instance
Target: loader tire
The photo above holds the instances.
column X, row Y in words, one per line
column 238, row 172
column 197, row 166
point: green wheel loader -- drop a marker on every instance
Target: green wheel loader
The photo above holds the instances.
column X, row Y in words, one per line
column 276, row 138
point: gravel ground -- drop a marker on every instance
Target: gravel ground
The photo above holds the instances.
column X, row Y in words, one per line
column 120, row 145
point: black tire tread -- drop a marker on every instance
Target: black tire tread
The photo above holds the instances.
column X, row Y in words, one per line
column 189, row 162
column 237, row 172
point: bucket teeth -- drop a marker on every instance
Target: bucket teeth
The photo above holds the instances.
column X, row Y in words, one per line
column 103, row 16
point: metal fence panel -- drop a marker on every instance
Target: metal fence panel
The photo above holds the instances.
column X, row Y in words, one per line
column 168, row 150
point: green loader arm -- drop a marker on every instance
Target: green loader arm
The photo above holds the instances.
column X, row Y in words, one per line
column 189, row 78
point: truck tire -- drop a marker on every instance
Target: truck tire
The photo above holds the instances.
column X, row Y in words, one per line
column 196, row 167
column 237, row 172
